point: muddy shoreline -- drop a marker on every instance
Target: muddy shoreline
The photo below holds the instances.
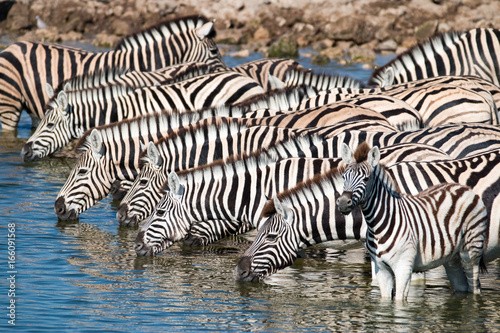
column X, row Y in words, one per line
column 340, row 30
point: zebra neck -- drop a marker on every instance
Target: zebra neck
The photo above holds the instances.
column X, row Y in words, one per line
column 382, row 196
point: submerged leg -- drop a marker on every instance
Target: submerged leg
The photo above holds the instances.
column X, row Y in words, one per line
column 385, row 279
column 456, row 275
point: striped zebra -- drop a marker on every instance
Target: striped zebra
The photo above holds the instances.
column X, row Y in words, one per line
column 311, row 216
column 28, row 67
column 191, row 146
column 444, row 225
column 475, row 52
column 72, row 113
column 320, row 82
column 438, row 100
column 220, row 199
column 145, row 193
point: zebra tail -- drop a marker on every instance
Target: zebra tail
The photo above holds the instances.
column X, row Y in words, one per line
column 482, row 266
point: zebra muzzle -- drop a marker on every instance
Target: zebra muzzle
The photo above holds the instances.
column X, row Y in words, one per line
column 27, row 153
column 62, row 212
column 243, row 271
column 344, row 203
column 140, row 246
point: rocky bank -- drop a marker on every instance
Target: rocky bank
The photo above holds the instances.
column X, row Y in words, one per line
column 342, row 30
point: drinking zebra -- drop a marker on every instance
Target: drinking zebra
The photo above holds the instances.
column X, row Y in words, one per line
column 27, row 67
column 475, row 52
column 445, row 225
column 220, row 199
column 72, row 113
column 281, row 236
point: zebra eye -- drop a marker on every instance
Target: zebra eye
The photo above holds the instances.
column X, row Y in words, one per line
column 160, row 212
column 83, row 172
column 50, row 126
column 143, row 182
column 272, row 237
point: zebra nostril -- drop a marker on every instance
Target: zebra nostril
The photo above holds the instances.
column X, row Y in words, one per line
column 349, row 202
column 27, row 151
column 122, row 213
column 59, row 206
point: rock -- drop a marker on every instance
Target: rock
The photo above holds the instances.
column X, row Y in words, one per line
column 426, row 30
column 361, row 55
column 320, row 60
column 105, row 40
column 283, row 48
column 387, row 46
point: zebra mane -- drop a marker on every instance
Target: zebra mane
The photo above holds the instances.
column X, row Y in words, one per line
column 202, row 131
column 187, row 72
column 165, row 28
column 435, row 42
column 361, row 152
column 92, row 79
column 304, row 186
column 320, row 81
column 283, row 99
column 245, row 161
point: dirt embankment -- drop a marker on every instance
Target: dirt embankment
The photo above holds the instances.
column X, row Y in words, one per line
column 346, row 30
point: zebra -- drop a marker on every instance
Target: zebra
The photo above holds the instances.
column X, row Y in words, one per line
column 281, row 236
column 27, row 67
column 475, row 52
column 445, row 224
column 194, row 145
column 438, row 100
column 72, row 113
column 145, row 193
column 219, row 199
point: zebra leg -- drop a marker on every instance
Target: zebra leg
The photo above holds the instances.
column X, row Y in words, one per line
column 385, row 278
column 402, row 273
column 456, row 275
column 471, row 269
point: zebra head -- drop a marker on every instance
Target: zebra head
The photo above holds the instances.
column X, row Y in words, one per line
column 144, row 193
column 167, row 224
column 53, row 132
column 88, row 182
column 275, row 246
column 204, row 48
column 357, row 175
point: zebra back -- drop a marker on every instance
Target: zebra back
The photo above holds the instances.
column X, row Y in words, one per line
column 261, row 69
column 324, row 81
column 457, row 141
column 475, row 52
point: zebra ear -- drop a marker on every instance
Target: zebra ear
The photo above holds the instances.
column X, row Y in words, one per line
column 153, row 154
column 281, row 209
column 62, row 100
column 387, row 77
column 275, row 83
column 346, row 153
column 96, row 142
column 373, row 156
column 49, row 90
column 67, row 87
column 205, row 30
column 174, row 184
